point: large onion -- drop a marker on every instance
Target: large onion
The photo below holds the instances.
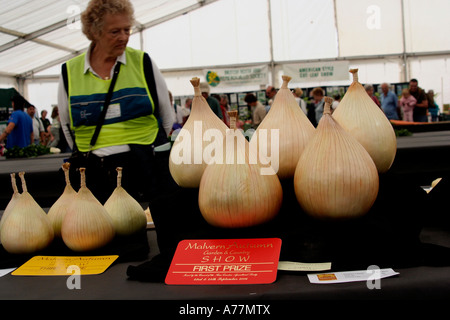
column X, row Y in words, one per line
column 364, row 120
column 294, row 131
column 186, row 162
column 335, row 176
column 235, row 193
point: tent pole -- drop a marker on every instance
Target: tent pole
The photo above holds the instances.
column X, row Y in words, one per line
column 337, row 28
column 405, row 58
column 272, row 63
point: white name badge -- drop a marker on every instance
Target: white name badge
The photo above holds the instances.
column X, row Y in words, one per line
column 113, row 111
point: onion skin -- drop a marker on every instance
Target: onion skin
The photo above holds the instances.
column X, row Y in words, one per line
column 189, row 173
column 59, row 209
column 27, row 228
column 335, row 177
column 128, row 217
column 364, row 120
column 86, row 225
column 28, row 231
column 242, row 198
column 237, row 195
column 295, row 130
column 11, row 202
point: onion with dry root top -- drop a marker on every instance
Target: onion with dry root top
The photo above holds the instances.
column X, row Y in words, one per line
column 294, row 130
column 12, row 201
column 128, row 216
column 186, row 162
column 335, row 177
column 59, row 209
column 234, row 193
column 86, row 225
column 26, row 229
column 364, row 120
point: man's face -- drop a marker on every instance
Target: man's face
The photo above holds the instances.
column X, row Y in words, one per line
column 31, row 111
column 413, row 86
column 270, row 92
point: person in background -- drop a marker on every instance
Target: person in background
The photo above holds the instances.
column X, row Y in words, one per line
column 315, row 108
column 270, row 95
column 187, row 109
column 225, row 107
column 258, row 111
column 139, row 117
column 46, row 122
column 421, row 109
column 407, row 103
column 19, row 131
column 38, row 127
column 213, row 102
column 298, row 93
column 389, row 102
column 370, row 90
column 336, row 100
column 55, row 128
column 177, row 113
column 432, row 106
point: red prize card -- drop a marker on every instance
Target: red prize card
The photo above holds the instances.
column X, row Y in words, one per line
column 225, row 261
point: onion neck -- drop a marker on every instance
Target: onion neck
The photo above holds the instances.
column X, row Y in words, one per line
column 24, row 185
column 233, row 116
column 83, row 177
column 286, row 80
column 13, row 183
column 354, row 72
column 119, row 176
column 327, row 105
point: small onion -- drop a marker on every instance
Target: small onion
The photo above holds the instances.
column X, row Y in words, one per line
column 26, row 229
column 128, row 216
column 335, row 176
column 59, row 209
column 12, row 201
column 86, row 225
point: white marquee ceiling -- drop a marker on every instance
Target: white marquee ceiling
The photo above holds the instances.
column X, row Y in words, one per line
column 38, row 34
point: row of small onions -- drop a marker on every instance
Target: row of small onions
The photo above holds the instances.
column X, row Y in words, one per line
column 335, row 167
column 77, row 218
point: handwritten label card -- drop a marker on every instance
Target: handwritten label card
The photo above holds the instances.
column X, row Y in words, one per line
column 62, row 266
column 225, row 261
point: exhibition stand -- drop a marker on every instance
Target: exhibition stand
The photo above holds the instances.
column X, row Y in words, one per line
column 407, row 230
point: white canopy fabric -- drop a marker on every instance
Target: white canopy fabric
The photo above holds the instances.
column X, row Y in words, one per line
column 388, row 40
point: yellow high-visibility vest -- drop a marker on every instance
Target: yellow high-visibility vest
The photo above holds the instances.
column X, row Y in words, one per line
column 130, row 118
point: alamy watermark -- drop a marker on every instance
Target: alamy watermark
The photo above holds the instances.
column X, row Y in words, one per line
column 73, row 281
column 374, row 280
column 73, row 20
column 210, row 146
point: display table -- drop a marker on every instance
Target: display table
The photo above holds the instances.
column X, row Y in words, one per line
column 423, row 156
column 425, row 289
column 424, row 282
